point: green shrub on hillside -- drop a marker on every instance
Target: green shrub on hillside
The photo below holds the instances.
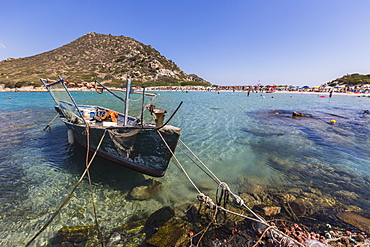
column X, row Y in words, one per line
column 354, row 79
column 10, row 85
column 193, row 83
column 21, row 84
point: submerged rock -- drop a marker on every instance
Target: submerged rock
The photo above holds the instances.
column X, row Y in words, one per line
column 131, row 227
column 172, row 233
column 271, row 211
column 145, row 190
column 129, row 234
column 347, row 194
column 249, row 200
column 287, row 197
column 114, row 239
column 158, row 218
column 74, row 234
column 326, row 201
column 356, row 220
column 300, row 114
column 299, row 207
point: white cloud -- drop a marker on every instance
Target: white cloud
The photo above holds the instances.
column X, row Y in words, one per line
column 2, row 45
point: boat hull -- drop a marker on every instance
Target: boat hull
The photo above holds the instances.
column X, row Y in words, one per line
column 140, row 149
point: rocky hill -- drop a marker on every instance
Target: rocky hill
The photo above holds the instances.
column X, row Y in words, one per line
column 107, row 58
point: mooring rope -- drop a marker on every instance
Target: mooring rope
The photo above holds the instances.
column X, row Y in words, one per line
column 178, row 162
column 212, row 176
column 87, row 128
column 47, row 126
column 237, row 199
column 70, row 194
column 221, row 184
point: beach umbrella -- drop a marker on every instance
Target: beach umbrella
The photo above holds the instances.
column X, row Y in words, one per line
column 316, row 87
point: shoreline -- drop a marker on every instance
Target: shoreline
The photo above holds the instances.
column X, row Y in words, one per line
column 325, row 94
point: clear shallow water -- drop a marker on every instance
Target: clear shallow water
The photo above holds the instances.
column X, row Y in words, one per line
column 244, row 140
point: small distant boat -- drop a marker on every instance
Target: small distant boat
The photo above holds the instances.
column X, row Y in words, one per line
column 130, row 141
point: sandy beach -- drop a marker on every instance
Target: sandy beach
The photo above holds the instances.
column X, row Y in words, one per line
column 319, row 94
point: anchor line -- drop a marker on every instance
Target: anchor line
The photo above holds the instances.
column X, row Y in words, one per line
column 87, row 127
column 47, row 126
column 70, row 194
column 227, row 191
column 178, row 162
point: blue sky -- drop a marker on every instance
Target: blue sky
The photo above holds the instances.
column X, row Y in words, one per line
column 235, row 42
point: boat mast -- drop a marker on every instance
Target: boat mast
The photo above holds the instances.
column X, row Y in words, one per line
column 128, row 86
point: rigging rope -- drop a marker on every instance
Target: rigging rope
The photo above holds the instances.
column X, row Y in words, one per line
column 70, row 194
column 136, row 99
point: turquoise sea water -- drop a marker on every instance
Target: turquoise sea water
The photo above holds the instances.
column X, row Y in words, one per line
column 245, row 141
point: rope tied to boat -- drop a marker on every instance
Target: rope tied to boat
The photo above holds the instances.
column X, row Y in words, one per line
column 206, row 200
column 70, row 194
column 48, row 126
column 87, row 128
column 238, row 200
column 225, row 192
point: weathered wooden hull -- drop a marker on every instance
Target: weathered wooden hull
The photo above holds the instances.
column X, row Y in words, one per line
column 140, row 149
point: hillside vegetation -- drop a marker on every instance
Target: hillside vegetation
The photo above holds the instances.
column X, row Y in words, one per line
column 351, row 80
column 107, row 58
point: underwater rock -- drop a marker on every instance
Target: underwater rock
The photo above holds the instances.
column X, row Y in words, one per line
column 158, row 218
column 73, row 234
column 256, row 189
column 145, row 190
column 356, row 220
column 315, row 191
column 300, row 114
column 326, row 201
column 131, row 234
column 294, row 191
column 287, row 197
column 114, row 239
column 353, row 208
column 271, row 211
column 190, row 213
column 172, row 233
column 131, row 227
column 298, row 207
column 347, row 194
column 310, row 195
column 249, row 200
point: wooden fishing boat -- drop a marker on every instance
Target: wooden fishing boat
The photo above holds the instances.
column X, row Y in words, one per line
column 140, row 145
